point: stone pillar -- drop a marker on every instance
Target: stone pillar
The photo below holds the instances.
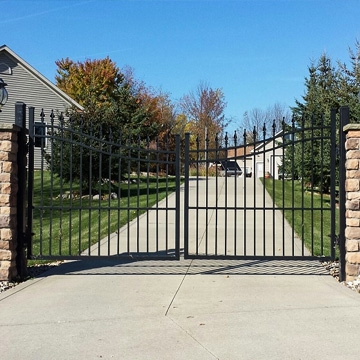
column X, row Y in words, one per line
column 352, row 188
column 8, row 200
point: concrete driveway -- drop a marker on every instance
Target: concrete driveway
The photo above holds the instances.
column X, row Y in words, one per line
column 211, row 231
column 200, row 309
column 181, row 310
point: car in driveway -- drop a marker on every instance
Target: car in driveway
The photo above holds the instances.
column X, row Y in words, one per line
column 230, row 168
column 248, row 172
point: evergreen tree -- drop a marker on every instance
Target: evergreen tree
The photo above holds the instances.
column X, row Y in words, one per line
column 312, row 155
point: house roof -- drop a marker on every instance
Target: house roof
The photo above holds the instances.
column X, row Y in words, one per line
column 40, row 77
column 268, row 140
column 239, row 152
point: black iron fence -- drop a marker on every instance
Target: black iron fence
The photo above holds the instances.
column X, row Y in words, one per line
column 273, row 197
column 94, row 191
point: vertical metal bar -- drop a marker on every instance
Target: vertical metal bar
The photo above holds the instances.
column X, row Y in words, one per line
column 29, row 232
column 157, row 192
column 344, row 120
column 186, row 196
column 128, row 193
column 312, row 183
column 42, row 115
column 254, row 206
column 138, row 197
column 81, row 183
column 197, row 194
column 273, row 183
column 283, row 185
column 244, row 190
column 167, row 193
column 302, row 186
column 217, row 192
column 321, row 184
column 52, row 117
column 90, row 189
column 333, row 181
column 177, row 200
column 71, row 185
column 99, row 187
column 293, row 188
column 235, row 200
column 119, row 195
column 109, row 187
column 226, row 191
column 264, row 180
column 61, row 119
column 207, row 194
column 147, row 192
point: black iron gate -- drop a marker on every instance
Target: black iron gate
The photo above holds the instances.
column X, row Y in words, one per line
column 261, row 196
column 94, row 192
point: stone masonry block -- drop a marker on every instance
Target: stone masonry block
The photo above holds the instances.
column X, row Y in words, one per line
column 353, row 195
column 353, row 257
column 9, row 146
column 7, row 221
column 9, row 167
column 4, row 200
column 352, row 204
column 8, row 210
column 8, row 188
column 352, row 185
column 353, row 174
column 7, row 255
column 5, row 177
column 352, row 164
column 352, row 232
column 352, row 144
column 352, row 270
column 353, row 154
column 353, row 214
column 353, row 134
column 352, row 245
column 8, row 274
column 7, row 234
column 11, row 136
column 352, row 222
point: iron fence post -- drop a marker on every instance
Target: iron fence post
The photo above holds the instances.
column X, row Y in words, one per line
column 31, row 144
column 333, row 182
column 186, row 196
column 20, row 120
column 177, row 206
column 344, row 119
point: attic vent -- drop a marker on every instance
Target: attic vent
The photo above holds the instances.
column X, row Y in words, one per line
column 5, row 69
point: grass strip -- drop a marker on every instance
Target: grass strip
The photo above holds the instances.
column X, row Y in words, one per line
column 304, row 225
column 60, row 235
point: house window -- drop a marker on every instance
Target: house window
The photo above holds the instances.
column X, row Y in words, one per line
column 289, row 137
column 39, row 131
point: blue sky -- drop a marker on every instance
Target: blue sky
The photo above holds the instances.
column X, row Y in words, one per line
column 257, row 51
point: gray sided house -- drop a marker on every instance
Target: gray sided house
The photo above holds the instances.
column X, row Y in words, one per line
column 26, row 84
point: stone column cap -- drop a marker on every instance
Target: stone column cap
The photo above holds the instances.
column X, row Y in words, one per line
column 350, row 127
column 9, row 127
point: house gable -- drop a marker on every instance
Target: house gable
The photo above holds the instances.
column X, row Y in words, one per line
column 26, row 84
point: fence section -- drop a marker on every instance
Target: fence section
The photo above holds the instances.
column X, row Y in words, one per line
column 98, row 192
column 260, row 196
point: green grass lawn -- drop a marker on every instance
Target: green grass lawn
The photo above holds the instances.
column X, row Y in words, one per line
column 312, row 227
column 61, row 231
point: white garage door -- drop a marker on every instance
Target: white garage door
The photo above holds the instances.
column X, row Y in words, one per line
column 259, row 169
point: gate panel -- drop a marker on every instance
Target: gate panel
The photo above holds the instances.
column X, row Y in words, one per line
column 100, row 193
column 270, row 197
